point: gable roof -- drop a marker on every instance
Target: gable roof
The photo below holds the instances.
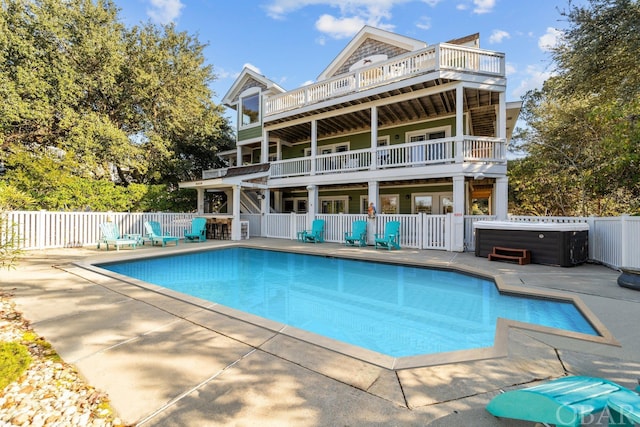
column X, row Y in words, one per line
column 367, row 33
column 249, row 78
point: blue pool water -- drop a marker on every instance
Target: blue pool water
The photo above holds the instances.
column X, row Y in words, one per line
column 395, row 310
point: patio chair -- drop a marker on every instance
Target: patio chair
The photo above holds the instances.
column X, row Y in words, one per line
column 198, row 231
column 315, row 235
column 111, row 236
column 391, row 237
column 624, row 410
column 565, row 401
column 154, row 234
column 358, row 234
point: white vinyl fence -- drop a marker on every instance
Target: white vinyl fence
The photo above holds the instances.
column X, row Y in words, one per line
column 613, row 241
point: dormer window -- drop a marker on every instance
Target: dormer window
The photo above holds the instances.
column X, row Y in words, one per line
column 250, row 109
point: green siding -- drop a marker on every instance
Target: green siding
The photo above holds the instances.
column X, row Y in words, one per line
column 362, row 140
column 251, row 133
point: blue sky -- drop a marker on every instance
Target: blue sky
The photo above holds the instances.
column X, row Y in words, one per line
column 292, row 41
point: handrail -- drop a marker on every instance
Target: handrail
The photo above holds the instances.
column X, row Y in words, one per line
column 432, row 58
column 420, row 153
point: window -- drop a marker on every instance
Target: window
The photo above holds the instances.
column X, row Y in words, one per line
column 250, row 107
column 329, row 149
column 432, row 203
column 297, row 205
column 334, row 206
column 390, row 203
column 423, row 204
column 430, row 152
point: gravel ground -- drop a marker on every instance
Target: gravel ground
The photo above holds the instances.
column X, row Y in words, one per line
column 50, row 392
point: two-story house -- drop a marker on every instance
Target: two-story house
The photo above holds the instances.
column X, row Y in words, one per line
column 411, row 127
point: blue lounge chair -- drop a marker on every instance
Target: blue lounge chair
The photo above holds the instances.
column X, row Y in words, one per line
column 154, row 234
column 198, row 231
column 315, row 235
column 358, row 234
column 624, row 410
column 563, row 402
column 391, row 237
column 111, row 236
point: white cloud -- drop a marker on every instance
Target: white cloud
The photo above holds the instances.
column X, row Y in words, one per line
column 533, row 79
column 164, row 11
column 351, row 15
column 498, row 35
column 509, row 69
column 339, row 28
column 550, row 39
column 483, row 6
column 462, row 6
column 424, row 23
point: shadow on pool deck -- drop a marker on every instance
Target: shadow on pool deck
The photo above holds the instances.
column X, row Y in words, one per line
column 165, row 361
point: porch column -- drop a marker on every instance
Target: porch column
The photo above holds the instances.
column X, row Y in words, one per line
column 264, row 209
column 239, row 155
column 200, row 192
column 502, row 116
column 264, row 147
column 235, row 224
column 459, row 123
column 457, row 237
column 501, row 193
column 312, row 209
column 373, row 196
column 314, row 145
column 278, row 149
column 374, row 138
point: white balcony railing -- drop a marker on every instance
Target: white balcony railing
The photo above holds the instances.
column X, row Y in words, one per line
column 433, row 58
column 422, row 153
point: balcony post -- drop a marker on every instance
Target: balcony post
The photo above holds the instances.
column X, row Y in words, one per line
column 200, row 197
column 374, row 138
column 373, row 196
column 264, row 147
column 235, row 224
column 457, row 241
column 314, row 145
column 459, row 157
column 501, row 191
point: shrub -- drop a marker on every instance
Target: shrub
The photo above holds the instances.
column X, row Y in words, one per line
column 14, row 360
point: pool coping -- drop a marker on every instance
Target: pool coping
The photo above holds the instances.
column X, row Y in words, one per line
column 504, row 283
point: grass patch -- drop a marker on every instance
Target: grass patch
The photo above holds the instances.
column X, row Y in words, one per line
column 14, row 360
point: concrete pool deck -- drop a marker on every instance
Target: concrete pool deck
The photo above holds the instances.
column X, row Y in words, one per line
column 166, row 361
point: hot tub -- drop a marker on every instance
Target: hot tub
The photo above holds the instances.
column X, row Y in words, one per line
column 565, row 245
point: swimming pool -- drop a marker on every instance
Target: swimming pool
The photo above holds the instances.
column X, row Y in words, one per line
column 396, row 310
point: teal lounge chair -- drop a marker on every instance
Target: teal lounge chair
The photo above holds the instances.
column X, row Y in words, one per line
column 198, row 231
column 315, row 235
column 391, row 237
column 111, row 236
column 564, row 402
column 624, row 410
column 358, row 234
column 154, row 234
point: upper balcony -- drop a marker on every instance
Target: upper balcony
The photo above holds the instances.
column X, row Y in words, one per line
column 440, row 57
column 467, row 150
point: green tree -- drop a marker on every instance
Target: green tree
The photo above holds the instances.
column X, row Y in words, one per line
column 90, row 103
column 582, row 137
